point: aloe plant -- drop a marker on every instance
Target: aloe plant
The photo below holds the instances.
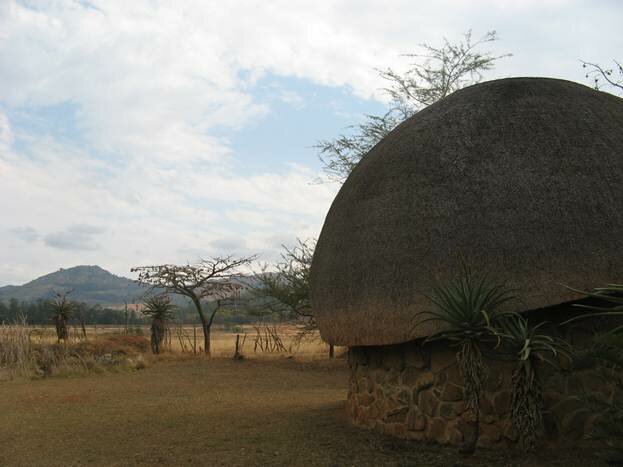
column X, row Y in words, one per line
column 530, row 350
column 607, row 353
column 613, row 294
column 467, row 309
column 160, row 310
column 62, row 309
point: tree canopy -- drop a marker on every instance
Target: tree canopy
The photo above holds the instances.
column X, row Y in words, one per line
column 435, row 73
column 209, row 279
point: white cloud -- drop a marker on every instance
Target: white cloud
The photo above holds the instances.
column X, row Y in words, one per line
column 26, row 234
column 65, row 208
column 151, row 80
column 75, row 237
column 6, row 138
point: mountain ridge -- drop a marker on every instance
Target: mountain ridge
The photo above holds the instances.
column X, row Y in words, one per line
column 90, row 284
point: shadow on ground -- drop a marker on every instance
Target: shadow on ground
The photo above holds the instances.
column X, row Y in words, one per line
column 218, row 412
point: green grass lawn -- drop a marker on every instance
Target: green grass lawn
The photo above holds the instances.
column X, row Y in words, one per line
column 211, row 412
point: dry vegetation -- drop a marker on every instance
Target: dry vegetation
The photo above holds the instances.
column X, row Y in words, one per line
column 24, row 349
column 268, row 409
column 32, row 352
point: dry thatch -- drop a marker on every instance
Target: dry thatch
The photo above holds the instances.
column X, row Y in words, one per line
column 522, row 176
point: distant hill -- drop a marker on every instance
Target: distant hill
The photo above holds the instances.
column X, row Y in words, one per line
column 90, row 284
column 94, row 285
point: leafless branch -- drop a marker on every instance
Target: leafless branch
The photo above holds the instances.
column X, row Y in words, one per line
column 597, row 72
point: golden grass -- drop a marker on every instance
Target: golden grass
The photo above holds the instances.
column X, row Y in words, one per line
column 222, row 342
column 268, row 409
column 27, row 352
column 33, row 351
column 196, row 411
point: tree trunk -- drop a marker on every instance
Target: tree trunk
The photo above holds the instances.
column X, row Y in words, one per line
column 157, row 336
column 61, row 329
column 154, row 344
column 331, row 351
column 205, row 325
column 206, row 338
column 238, row 354
column 84, row 328
column 471, row 432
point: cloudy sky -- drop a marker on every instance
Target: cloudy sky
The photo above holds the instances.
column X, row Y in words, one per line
column 147, row 131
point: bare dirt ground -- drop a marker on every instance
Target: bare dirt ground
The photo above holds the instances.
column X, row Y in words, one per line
column 194, row 411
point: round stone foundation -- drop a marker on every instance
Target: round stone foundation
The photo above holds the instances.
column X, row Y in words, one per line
column 416, row 392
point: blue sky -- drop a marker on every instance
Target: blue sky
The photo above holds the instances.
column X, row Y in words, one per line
column 158, row 131
column 301, row 114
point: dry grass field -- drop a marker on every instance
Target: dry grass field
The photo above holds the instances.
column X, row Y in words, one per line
column 189, row 339
column 267, row 409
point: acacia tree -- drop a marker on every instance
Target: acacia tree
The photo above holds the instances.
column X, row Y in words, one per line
column 437, row 72
column 612, row 76
column 287, row 288
column 211, row 279
column 62, row 309
column 286, row 291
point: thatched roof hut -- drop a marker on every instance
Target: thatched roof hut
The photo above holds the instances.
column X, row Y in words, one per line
column 522, row 176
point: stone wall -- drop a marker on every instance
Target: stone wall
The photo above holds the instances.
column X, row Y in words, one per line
column 416, row 392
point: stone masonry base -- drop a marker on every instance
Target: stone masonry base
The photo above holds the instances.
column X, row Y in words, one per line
column 415, row 392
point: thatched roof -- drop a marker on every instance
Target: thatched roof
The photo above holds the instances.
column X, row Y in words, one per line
column 522, row 176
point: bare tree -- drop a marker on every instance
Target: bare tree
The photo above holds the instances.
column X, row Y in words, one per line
column 286, row 291
column 211, row 279
column 613, row 76
column 437, row 72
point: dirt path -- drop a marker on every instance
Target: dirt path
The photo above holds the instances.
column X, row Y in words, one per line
column 198, row 412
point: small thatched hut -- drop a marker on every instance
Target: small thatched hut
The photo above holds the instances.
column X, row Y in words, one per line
column 522, row 176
